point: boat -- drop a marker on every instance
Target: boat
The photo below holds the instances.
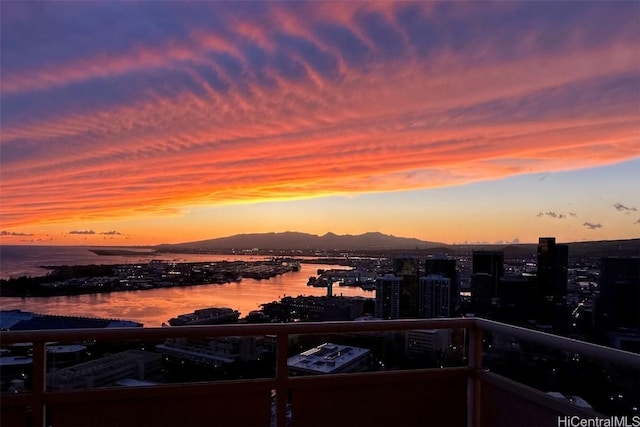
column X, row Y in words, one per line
column 206, row 316
column 319, row 282
column 295, row 265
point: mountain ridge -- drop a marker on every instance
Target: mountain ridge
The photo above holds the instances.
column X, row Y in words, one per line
column 386, row 243
column 305, row 241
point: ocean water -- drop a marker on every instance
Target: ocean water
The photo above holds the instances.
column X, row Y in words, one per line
column 155, row 306
column 18, row 261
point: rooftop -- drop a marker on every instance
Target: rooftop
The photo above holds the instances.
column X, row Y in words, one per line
column 18, row 320
column 327, row 358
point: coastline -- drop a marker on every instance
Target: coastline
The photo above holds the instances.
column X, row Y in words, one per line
column 92, row 279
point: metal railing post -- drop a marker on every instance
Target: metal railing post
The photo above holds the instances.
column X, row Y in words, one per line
column 38, row 383
column 473, row 383
column 282, row 386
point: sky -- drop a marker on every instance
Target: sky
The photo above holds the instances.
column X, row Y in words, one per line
column 140, row 123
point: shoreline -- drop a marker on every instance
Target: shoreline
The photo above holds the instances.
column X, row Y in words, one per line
column 104, row 278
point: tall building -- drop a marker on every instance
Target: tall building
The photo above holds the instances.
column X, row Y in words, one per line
column 388, row 297
column 446, row 267
column 434, row 296
column 488, row 262
column 618, row 305
column 553, row 261
column 409, row 269
column 487, row 270
column 518, row 296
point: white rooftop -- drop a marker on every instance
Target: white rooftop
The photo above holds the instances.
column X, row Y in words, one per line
column 327, row 358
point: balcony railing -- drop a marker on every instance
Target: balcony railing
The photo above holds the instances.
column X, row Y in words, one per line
column 461, row 395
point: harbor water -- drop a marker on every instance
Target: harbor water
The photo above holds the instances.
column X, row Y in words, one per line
column 155, row 306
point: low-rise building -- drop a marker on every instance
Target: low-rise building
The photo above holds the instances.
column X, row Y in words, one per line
column 106, row 371
column 214, row 352
column 330, row 358
column 427, row 342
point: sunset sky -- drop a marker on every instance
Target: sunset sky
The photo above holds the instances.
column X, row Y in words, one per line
column 134, row 123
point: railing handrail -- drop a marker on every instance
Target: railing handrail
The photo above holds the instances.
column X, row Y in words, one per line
column 67, row 335
column 249, row 329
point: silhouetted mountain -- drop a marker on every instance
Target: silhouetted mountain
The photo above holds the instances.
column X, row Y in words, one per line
column 304, row 241
column 379, row 244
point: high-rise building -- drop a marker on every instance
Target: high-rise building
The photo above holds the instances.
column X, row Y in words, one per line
column 447, row 268
column 518, row 296
column 488, row 262
column 553, row 261
column 434, row 296
column 409, row 269
column 388, row 297
column 487, row 270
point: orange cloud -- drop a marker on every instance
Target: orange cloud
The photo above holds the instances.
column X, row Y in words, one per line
column 393, row 124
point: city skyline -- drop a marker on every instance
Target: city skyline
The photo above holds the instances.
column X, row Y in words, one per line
column 136, row 123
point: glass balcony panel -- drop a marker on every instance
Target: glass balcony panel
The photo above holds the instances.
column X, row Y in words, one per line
column 217, row 358
column 16, row 365
column 596, row 384
column 371, row 395
column 311, row 354
column 97, row 364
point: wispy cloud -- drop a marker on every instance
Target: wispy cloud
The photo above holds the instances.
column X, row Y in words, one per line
column 50, row 239
column 14, row 233
column 85, row 232
column 111, row 233
column 552, row 214
column 623, row 208
column 592, row 226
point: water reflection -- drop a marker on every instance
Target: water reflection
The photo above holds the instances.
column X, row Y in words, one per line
column 155, row 306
